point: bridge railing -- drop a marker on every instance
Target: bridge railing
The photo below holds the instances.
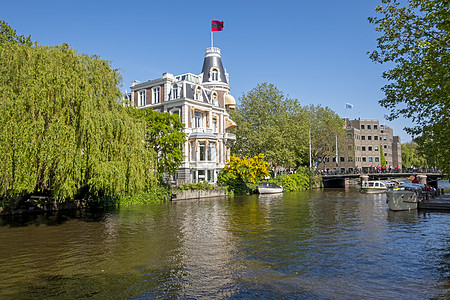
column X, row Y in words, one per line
column 378, row 171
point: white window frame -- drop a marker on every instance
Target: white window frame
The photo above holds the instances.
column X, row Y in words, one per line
column 174, row 92
column 198, row 93
column 156, row 95
column 215, row 99
column 141, row 97
column 210, row 175
column 193, row 152
column 201, row 175
column 198, row 119
column 214, row 74
column 214, row 125
column 202, row 151
column 211, row 153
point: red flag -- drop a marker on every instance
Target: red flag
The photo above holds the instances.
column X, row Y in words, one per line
column 216, row 25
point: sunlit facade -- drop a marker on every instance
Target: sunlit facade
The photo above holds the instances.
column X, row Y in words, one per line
column 366, row 141
column 203, row 103
column 363, row 146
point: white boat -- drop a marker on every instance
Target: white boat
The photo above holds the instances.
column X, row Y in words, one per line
column 378, row 186
column 374, row 186
column 404, row 196
column 269, row 188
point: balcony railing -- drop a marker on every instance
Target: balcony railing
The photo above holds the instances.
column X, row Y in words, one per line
column 202, row 130
column 212, row 50
column 229, row 136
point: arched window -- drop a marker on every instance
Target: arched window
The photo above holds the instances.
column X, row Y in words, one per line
column 198, row 93
column 214, row 98
column 214, row 75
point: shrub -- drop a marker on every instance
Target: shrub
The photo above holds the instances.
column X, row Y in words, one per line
column 202, row 185
column 234, row 183
column 155, row 195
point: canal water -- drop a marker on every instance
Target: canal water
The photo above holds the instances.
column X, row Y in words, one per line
column 326, row 244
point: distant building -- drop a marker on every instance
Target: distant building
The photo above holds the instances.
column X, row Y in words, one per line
column 362, row 148
column 203, row 103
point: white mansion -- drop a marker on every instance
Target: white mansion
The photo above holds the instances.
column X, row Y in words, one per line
column 202, row 102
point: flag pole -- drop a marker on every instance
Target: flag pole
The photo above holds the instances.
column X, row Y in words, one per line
column 212, row 38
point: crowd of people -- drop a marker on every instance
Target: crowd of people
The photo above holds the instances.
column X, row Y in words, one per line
column 377, row 169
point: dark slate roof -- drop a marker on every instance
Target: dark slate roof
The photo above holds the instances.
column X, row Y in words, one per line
column 206, row 96
column 211, row 61
column 190, row 90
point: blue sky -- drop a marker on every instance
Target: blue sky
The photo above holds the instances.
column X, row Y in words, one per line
column 315, row 51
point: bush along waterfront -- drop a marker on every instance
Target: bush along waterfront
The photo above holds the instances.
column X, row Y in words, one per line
column 302, row 180
column 242, row 176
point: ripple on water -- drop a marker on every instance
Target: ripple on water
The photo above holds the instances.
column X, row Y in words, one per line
column 319, row 244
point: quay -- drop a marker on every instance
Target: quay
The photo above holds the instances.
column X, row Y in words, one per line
column 441, row 202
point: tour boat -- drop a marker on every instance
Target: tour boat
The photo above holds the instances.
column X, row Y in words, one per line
column 375, row 186
column 405, row 196
column 269, row 188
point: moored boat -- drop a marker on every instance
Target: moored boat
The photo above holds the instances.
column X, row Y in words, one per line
column 374, row 186
column 269, row 188
column 404, row 196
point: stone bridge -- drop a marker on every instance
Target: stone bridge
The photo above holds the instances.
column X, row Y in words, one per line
column 341, row 180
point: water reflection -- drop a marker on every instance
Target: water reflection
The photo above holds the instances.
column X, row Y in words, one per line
column 338, row 244
column 403, row 217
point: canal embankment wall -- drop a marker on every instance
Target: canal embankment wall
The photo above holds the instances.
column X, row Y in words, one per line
column 198, row 194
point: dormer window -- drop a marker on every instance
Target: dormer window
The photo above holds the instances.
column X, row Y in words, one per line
column 198, row 93
column 214, row 98
column 174, row 93
column 214, row 75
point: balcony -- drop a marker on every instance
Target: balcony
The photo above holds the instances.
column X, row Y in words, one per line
column 229, row 136
column 202, row 130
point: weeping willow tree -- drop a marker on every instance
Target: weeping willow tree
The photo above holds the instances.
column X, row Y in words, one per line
column 62, row 131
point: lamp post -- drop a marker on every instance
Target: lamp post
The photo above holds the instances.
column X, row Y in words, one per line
column 310, row 161
column 337, row 162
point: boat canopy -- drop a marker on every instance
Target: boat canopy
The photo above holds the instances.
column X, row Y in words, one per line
column 268, row 185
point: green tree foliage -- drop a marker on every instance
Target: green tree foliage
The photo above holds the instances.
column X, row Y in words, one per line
column 272, row 124
column 279, row 127
column 416, row 39
column 382, row 158
column 164, row 134
column 295, row 182
column 8, row 35
column 326, row 125
column 250, row 169
column 411, row 156
column 62, row 130
column 239, row 172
